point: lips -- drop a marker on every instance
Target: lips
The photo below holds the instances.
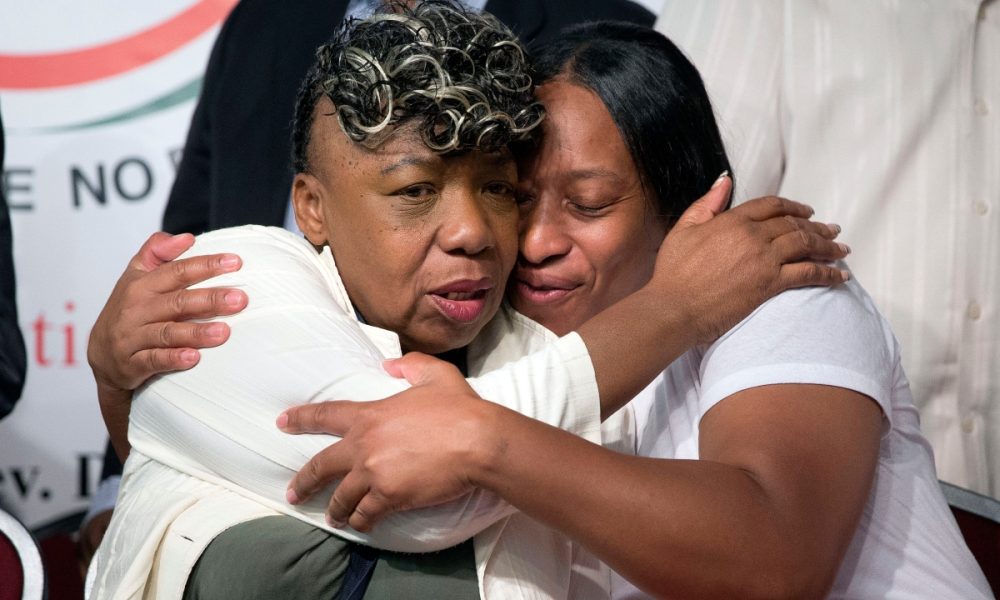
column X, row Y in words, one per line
column 541, row 288
column 463, row 300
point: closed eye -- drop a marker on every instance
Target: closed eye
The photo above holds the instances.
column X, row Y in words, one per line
column 590, row 207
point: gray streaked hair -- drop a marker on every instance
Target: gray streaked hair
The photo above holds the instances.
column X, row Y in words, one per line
column 463, row 77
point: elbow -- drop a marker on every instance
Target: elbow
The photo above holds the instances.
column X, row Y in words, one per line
column 782, row 584
column 791, row 573
column 767, row 574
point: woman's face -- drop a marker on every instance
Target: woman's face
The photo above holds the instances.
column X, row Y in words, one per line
column 588, row 235
column 423, row 243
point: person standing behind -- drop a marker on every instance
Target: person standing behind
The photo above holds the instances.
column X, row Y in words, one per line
column 886, row 115
column 12, row 356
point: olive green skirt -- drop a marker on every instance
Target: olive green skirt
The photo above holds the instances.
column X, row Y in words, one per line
column 281, row 557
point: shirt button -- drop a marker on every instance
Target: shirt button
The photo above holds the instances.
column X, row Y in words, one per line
column 981, row 208
column 982, row 108
column 968, row 424
column 974, row 311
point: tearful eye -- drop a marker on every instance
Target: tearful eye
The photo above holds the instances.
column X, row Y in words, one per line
column 589, row 207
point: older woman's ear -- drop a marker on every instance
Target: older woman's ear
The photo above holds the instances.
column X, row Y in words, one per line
column 307, row 200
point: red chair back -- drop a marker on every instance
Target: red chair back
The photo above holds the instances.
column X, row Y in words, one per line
column 11, row 571
column 21, row 568
column 978, row 517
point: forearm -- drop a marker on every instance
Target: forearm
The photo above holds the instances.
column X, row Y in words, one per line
column 202, row 437
column 115, row 406
column 631, row 342
column 623, row 348
column 675, row 528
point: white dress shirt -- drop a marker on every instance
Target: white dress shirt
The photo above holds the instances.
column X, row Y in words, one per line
column 206, row 454
column 885, row 116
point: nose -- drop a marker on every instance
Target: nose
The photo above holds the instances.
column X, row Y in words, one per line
column 467, row 228
column 542, row 232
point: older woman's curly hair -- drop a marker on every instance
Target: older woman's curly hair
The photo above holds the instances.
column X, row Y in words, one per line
column 463, row 76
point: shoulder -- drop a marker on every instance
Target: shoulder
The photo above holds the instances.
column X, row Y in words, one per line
column 253, row 243
column 592, row 10
column 279, row 267
column 811, row 335
column 843, row 314
column 258, row 29
column 621, row 10
column 250, row 17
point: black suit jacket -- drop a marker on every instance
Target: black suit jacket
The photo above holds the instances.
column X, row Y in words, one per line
column 236, row 164
column 12, row 358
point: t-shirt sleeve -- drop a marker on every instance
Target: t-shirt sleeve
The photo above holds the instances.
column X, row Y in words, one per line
column 822, row 336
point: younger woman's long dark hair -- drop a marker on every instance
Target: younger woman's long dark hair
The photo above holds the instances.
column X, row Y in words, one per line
column 656, row 98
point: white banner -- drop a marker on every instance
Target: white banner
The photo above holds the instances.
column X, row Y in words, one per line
column 96, row 98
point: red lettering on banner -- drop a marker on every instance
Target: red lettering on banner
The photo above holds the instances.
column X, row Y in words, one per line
column 68, row 333
column 39, row 327
column 46, row 339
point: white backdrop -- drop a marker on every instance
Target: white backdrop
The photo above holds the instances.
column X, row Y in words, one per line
column 96, row 98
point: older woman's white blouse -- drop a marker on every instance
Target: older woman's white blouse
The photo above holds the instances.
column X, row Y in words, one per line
column 206, row 454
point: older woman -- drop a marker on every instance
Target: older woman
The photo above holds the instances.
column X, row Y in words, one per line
column 410, row 189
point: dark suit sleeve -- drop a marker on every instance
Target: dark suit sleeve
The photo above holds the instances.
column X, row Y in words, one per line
column 625, row 10
column 537, row 22
column 189, row 204
column 12, row 357
column 112, row 465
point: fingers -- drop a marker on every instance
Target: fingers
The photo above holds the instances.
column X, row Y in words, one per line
column 345, row 500
column 354, row 504
column 717, row 196
column 768, row 207
column 138, row 333
column 709, row 205
column 333, row 417
column 182, row 305
column 779, row 226
column 165, row 347
column 151, row 336
column 147, row 363
column 418, row 368
column 804, row 274
column 368, row 512
column 182, row 335
column 802, row 244
column 179, row 274
column 160, row 248
column 332, row 463
column 168, row 249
